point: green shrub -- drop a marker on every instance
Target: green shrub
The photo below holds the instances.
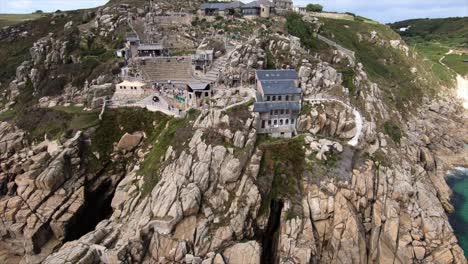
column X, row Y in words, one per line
column 38, row 121
column 348, row 80
column 314, row 8
column 169, row 132
column 303, row 30
column 281, row 170
column 393, row 130
column 116, row 123
column 270, row 60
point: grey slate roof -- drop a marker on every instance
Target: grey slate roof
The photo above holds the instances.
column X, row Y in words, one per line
column 222, row 6
column 198, row 86
column 266, row 107
column 150, row 47
column 257, row 4
column 133, row 39
column 276, row 75
column 279, row 87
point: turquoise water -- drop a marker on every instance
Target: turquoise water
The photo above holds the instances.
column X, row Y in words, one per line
column 458, row 181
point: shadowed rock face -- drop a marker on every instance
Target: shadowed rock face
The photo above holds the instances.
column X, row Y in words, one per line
column 47, row 193
column 271, row 233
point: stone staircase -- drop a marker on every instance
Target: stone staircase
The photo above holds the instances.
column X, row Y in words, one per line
column 218, row 65
column 167, row 68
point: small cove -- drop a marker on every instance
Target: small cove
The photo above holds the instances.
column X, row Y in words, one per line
column 458, row 181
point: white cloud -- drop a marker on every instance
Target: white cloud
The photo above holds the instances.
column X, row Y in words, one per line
column 28, row 6
column 395, row 10
column 15, row 6
column 381, row 10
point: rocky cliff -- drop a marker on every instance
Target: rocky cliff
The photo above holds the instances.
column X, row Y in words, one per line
column 363, row 182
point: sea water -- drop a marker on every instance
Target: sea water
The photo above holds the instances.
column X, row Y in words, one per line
column 458, row 181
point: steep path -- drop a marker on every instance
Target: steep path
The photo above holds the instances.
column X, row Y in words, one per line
column 462, row 83
column 357, row 116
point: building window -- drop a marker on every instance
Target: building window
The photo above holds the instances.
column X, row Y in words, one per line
column 292, row 120
column 287, row 97
column 206, row 94
column 274, row 98
column 269, row 122
column 268, row 98
column 263, row 123
column 271, row 112
column 275, row 122
column 282, row 111
column 287, row 121
column 281, row 122
column 279, row 97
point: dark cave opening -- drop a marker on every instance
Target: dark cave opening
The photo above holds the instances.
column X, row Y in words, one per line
column 271, row 233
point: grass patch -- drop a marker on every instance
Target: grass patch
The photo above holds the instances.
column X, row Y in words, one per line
column 13, row 19
column 54, row 121
column 348, row 80
column 116, row 122
column 457, row 63
column 281, row 170
column 170, row 132
column 388, row 67
column 296, row 26
column 393, row 130
column 7, row 115
column 271, row 65
column 306, row 109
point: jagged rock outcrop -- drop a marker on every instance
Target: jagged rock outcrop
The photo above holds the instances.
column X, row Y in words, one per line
column 317, row 78
column 330, row 118
column 379, row 201
column 45, row 190
column 203, row 202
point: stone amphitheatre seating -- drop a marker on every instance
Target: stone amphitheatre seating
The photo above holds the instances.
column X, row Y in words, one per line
column 167, row 68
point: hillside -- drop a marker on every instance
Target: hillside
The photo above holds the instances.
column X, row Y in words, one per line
column 444, row 30
column 159, row 177
column 440, row 40
column 13, row 19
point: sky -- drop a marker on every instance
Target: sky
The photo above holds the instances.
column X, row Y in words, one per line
column 381, row 10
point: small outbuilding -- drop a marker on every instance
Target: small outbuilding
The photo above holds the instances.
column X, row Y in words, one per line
column 197, row 93
column 133, row 40
column 152, row 50
column 202, row 59
column 259, row 8
column 130, row 89
column 220, row 8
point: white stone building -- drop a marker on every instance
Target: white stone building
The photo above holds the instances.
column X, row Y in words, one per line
column 130, row 90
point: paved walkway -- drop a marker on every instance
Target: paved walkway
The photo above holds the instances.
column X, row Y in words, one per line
column 251, row 95
column 150, row 105
column 357, row 116
column 350, row 53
